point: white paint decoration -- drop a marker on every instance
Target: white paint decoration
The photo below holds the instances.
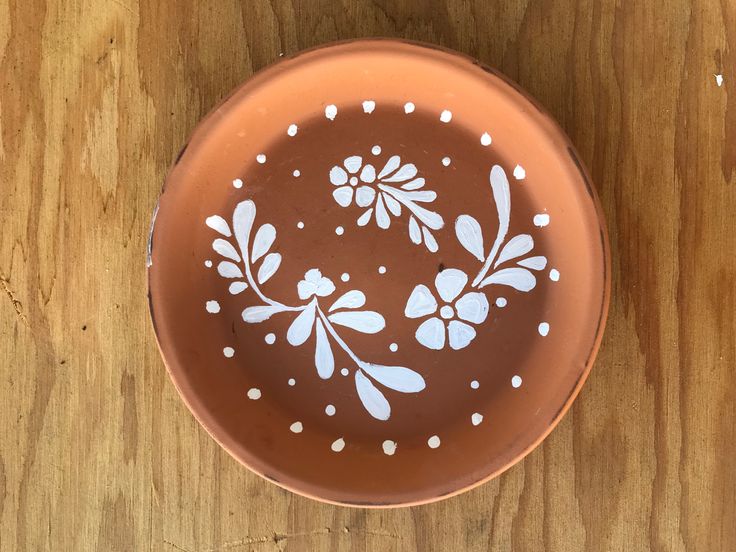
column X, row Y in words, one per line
column 516, row 382
column 409, row 107
column 476, row 419
column 393, row 347
column 369, row 106
column 331, row 112
column 376, row 150
column 261, row 158
column 446, row 116
column 208, row 263
column 519, row 172
column 213, row 307
column 330, row 410
column 300, row 225
column 339, row 230
column 474, row 384
column 719, row 80
column 237, row 183
column 501, row 302
column 254, row 247
column 554, row 275
column 228, row 352
column 446, row 161
column 296, row 427
column 237, row 287
column 485, row 139
column 345, row 277
column 382, row 269
column 292, row 130
column 254, row 393
column 541, row 219
column 389, row 447
column 433, row 442
column 297, row 173
column 543, row 329
column 291, row 382
column 338, row 445
column 345, row 372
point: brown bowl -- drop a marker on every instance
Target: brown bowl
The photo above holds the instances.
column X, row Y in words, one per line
column 378, row 273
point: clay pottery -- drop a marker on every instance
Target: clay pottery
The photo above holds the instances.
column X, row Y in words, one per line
column 378, row 273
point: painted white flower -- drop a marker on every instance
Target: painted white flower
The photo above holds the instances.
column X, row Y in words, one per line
column 455, row 315
column 314, row 284
column 379, row 196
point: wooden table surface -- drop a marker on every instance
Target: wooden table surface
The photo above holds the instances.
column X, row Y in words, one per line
column 97, row 452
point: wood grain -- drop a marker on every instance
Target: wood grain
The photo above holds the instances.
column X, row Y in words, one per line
column 96, row 450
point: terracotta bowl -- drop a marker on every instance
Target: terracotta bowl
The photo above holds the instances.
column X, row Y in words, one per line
column 378, row 273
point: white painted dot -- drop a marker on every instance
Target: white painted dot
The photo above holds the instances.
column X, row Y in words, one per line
column 353, row 180
column 369, row 106
column 338, row 445
column 237, row 183
column 519, row 172
column 296, row 427
column 446, row 116
column 446, row 161
column 516, row 382
column 339, row 230
column 228, row 352
column 254, row 393
column 382, row 269
column 541, row 219
column 297, row 173
column 433, row 442
column 292, row 130
column 476, row 419
column 208, row 263
column 212, row 307
column 300, row 225
column 270, row 338
column 330, row 410
column 447, row 312
column 409, row 107
column 501, row 302
column 389, row 447
column 331, row 112
column 554, row 275
column 344, row 371
column 376, row 150
column 393, row 347
column 485, row 139
column 261, row 158
column 474, row 384
column 543, row 329
column 719, row 80
column 291, row 382
column 345, row 277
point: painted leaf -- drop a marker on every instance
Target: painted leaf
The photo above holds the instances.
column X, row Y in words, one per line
column 263, row 241
column 269, row 267
column 429, row 240
column 518, row 278
column 535, row 263
column 422, row 196
column 502, row 198
column 353, row 299
column 406, row 172
column 237, row 287
column 391, row 165
column 470, row 236
column 343, row 195
column 415, row 234
column 516, row 247
column 421, row 302
column 429, row 218
column 369, row 322
column 301, row 328
column 373, row 400
column 217, row 223
column 243, row 217
column 431, row 334
column 324, row 360
column 259, row 313
column 397, row 378
column 365, row 218
column 460, row 334
column 226, row 249
column 226, row 269
column 415, row 184
column 382, row 218
column 392, row 205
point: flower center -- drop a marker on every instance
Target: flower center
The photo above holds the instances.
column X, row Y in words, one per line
column 353, row 180
column 446, row 312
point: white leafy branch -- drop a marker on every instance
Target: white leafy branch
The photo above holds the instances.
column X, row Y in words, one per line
column 311, row 318
column 379, row 196
column 470, row 236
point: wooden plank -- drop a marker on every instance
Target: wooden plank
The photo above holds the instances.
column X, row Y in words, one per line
column 96, row 450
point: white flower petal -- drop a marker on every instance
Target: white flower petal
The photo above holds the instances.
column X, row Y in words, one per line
column 368, row 174
column 382, row 218
column 470, row 236
column 422, row 196
column 369, row 322
column 301, row 328
column 353, row 299
column 364, row 196
column 226, row 249
column 431, row 334
column 313, row 275
column 373, row 400
column 324, row 287
column 421, row 302
column 397, row 378
column 263, row 241
column 429, row 240
column 217, row 223
column 353, row 163
column 226, row 269
column 365, row 218
column 393, row 206
column 343, row 195
column 461, row 334
column 391, row 165
column 415, row 184
column 254, row 315
column 406, row 172
column 518, row 278
column 449, row 283
column 414, row 232
column 472, row 307
column 269, row 267
column 324, row 360
column 516, row 247
column 305, row 289
column 535, row 263
column 338, row 176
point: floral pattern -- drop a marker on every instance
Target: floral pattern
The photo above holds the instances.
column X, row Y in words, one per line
column 378, row 195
